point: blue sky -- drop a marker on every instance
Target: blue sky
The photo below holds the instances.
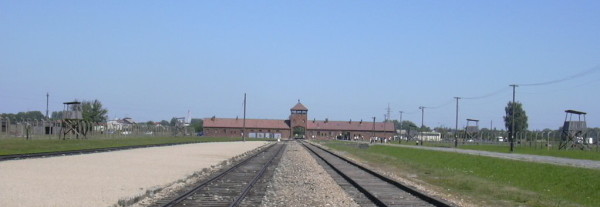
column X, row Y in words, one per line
column 153, row 60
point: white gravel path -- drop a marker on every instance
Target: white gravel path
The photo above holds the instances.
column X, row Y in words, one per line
column 300, row 181
column 101, row 179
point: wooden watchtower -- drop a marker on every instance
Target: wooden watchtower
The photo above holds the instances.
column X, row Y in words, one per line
column 574, row 131
column 472, row 132
column 179, row 127
column 72, row 120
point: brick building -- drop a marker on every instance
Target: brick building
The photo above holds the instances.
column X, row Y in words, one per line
column 298, row 125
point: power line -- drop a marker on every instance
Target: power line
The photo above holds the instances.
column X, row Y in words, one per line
column 592, row 70
column 563, row 88
column 441, row 105
column 488, row 95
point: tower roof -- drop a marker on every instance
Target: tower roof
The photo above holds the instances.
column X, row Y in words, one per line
column 299, row 107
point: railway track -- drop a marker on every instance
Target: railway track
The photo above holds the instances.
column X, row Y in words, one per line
column 368, row 187
column 83, row 151
column 243, row 184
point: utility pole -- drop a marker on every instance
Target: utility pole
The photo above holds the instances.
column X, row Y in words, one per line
column 47, row 101
column 456, row 125
column 422, row 115
column 400, row 138
column 389, row 111
column 512, row 130
column 373, row 127
column 422, row 123
column 385, row 118
column 244, row 122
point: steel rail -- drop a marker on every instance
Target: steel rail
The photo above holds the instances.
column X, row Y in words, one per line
column 203, row 184
column 429, row 199
column 241, row 197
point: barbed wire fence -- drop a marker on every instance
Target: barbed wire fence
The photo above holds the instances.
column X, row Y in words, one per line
column 53, row 130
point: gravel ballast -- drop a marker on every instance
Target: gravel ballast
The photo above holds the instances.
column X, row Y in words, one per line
column 102, row 179
column 300, row 181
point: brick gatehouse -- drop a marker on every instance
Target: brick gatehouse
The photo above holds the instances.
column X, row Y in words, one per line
column 297, row 126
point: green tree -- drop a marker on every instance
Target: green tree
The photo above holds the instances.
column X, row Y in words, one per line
column 56, row 115
column 174, row 121
column 406, row 125
column 150, row 123
column 520, row 117
column 164, row 123
column 24, row 116
column 198, row 124
column 93, row 111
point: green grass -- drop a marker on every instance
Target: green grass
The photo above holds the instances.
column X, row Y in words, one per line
column 487, row 181
column 20, row 146
column 591, row 154
column 574, row 154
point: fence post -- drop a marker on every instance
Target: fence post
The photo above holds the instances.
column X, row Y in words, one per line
column 597, row 140
column 1, row 126
column 548, row 142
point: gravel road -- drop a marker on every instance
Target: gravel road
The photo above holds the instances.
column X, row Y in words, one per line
column 102, row 179
column 591, row 164
column 300, row 181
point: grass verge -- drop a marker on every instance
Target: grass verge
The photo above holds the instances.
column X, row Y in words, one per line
column 574, row 154
column 485, row 181
column 14, row 146
column 591, row 154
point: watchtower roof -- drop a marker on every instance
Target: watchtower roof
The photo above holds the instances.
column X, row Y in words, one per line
column 72, row 102
column 299, row 107
column 575, row 112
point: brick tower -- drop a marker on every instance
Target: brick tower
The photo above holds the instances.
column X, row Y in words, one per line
column 298, row 120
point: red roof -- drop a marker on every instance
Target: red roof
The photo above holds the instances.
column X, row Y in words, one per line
column 250, row 123
column 284, row 124
column 350, row 126
column 299, row 107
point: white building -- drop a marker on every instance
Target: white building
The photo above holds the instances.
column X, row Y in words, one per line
column 429, row 136
column 120, row 124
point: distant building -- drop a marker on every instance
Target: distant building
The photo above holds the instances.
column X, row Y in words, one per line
column 297, row 126
column 429, row 136
column 120, row 124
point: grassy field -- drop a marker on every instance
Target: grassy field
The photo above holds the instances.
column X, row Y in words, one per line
column 575, row 154
column 591, row 154
column 20, row 146
column 486, row 181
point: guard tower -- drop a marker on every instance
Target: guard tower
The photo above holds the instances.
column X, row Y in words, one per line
column 472, row 132
column 179, row 128
column 72, row 120
column 298, row 120
column 573, row 132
